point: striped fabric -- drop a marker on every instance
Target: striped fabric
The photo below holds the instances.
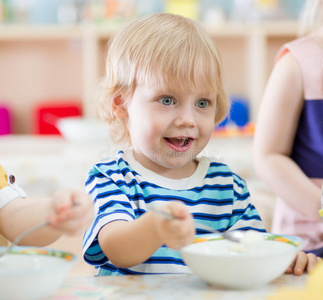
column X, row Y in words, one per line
column 123, row 190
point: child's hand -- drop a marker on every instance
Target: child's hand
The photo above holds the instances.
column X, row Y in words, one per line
column 73, row 212
column 303, row 262
column 178, row 232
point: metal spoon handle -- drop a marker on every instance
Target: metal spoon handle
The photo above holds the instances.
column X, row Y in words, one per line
column 234, row 236
column 163, row 213
column 197, row 224
column 29, row 231
column 23, row 235
column 237, row 236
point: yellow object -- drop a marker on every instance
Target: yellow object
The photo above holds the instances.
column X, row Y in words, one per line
column 266, row 5
column 321, row 212
column 312, row 291
column 3, row 178
column 185, row 8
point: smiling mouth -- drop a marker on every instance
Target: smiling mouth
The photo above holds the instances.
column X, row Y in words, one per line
column 180, row 142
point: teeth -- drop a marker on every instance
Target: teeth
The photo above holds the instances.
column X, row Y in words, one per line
column 183, row 138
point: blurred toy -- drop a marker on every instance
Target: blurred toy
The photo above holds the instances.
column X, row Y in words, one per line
column 237, row 123
column 186, row 8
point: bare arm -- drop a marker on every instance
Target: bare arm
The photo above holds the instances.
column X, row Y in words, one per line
column 127, row 244
column 21, row 214
column 275, row 131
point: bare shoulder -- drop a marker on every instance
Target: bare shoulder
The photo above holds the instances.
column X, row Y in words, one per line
column 285, row 84
column 288, row 65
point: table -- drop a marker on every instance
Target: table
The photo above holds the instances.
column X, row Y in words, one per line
column 170, row 287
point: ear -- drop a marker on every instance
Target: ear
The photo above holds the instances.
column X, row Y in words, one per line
column 119, row 108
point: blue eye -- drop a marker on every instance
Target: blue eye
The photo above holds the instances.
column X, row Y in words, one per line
column 202, row 103
column 166, row 101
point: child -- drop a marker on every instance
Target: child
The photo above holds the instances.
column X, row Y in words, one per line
column 68, row 212
column 289, row 153
column 163, row 94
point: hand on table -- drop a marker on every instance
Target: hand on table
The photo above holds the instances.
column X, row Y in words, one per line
column 303, row 262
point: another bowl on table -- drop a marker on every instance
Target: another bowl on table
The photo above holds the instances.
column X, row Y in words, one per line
column 33, row 273
column 83, row 130
column 225, row 265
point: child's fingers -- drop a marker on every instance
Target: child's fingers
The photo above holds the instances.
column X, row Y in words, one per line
column 312, row 261
column 290, row 268
column 79, row 208
column 71, row 222
column 300, row 263
column 61, row 200
column 303, row 262
column 76, row 199
column 72, row 212
column 178, row 209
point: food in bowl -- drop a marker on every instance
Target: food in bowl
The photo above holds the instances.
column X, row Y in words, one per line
column 214, row 260
column 33, row 273
column 249, row 241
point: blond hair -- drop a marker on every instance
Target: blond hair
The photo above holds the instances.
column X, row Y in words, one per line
column 160, row 49
column 311, row 17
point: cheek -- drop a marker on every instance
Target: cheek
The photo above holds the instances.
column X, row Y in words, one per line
column 207, row 124
column 136, row 119
column 145, row 126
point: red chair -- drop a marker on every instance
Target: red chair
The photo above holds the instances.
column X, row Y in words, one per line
column 47, row 114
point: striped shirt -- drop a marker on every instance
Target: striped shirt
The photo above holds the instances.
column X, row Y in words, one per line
column 122, row 189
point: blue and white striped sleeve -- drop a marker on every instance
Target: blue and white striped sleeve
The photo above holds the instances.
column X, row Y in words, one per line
column 244, row 215
column 110, row 204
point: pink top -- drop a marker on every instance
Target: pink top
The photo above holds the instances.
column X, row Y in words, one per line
column 308, row 144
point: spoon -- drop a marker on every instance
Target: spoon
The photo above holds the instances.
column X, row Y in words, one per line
column 23, row 235
column 27, row 232
column 234, row 236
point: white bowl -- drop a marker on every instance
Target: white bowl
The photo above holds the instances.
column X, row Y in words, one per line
column 79, row 129
column 215, row 262
column 33, row 273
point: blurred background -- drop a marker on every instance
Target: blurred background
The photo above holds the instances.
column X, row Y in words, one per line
column 79, row 11
column 52, row 51
column 52, row 54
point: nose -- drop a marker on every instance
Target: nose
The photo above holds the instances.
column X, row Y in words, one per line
column 185, row 117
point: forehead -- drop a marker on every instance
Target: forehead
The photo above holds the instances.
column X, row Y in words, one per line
column 198, row 79
column 152, row 91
